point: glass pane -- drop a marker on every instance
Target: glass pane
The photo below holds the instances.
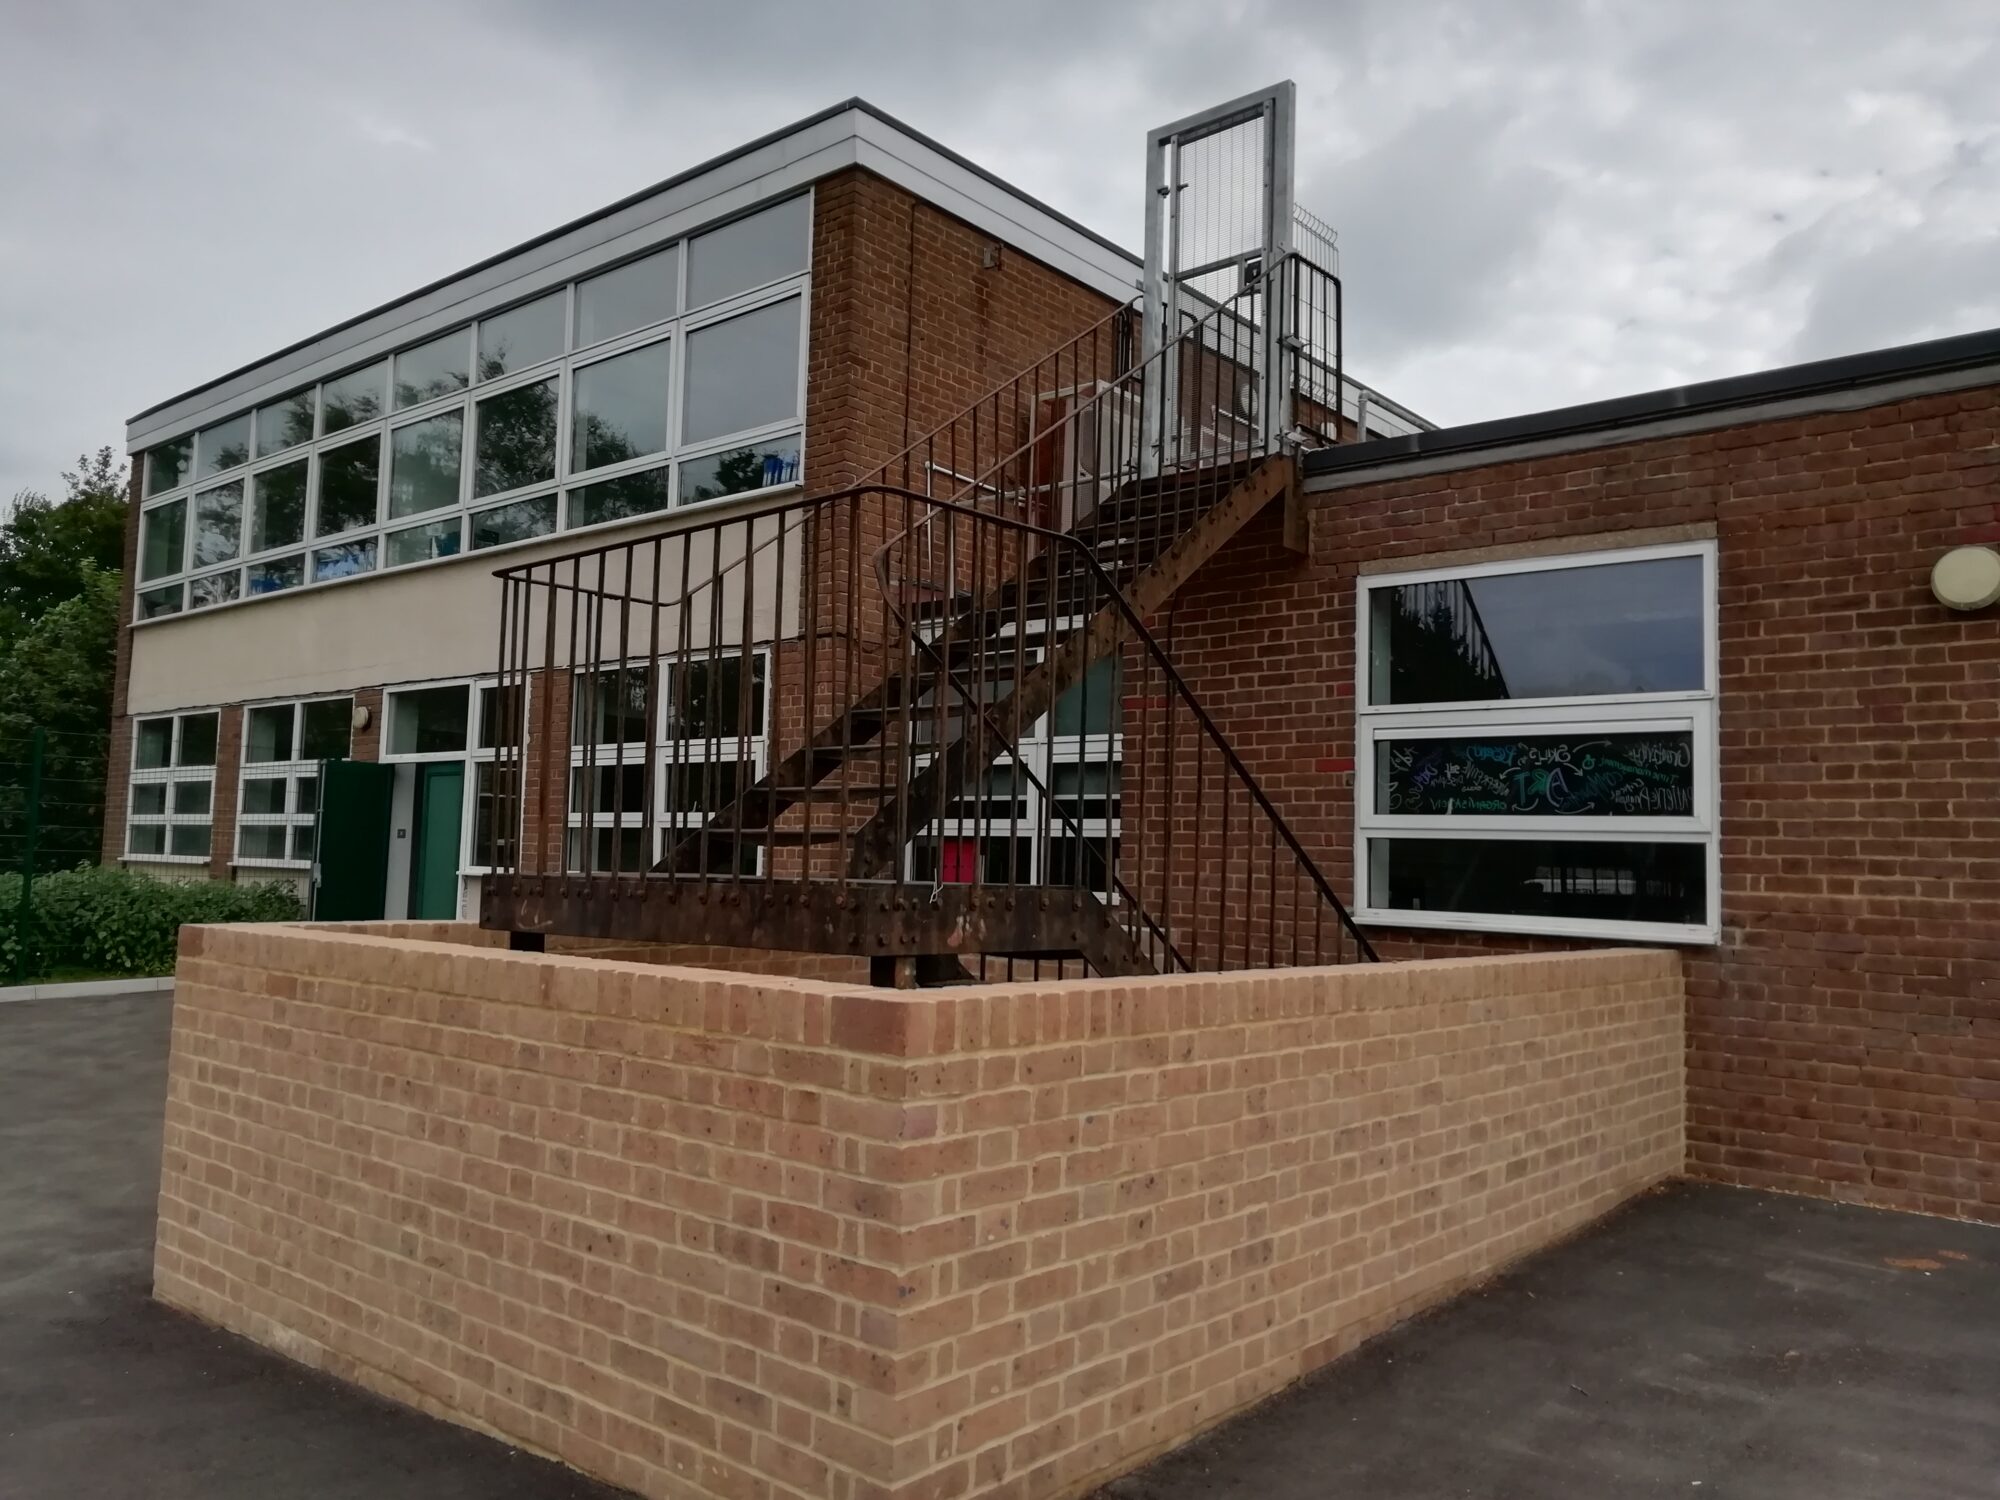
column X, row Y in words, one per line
column 168, row 466
column 264, row 796
column 328, row 731
column 764, row 247
column 305, row 794
column 269, row 737
column 354, row 398
column 705, row 786
column 621, row 408
column 343, row 561
column 223, row 446
column 426, row 721
column 614, row 499
column 216, row 588
column 188, row 838
column 740, row 469
column 279, row 573
column 1086, row 791
column 1608, row 882
column 603, row 843
column 423, row 464
column 632, row 296
column 484, row 813
column 278, row 506
column 1647, row 775
column 153, row 744
column 521, row 336
column 1074, row 861
column 1096, row 704
column 1630, row 627
column 616, row 705
column 499, row 716
column 260, row 841
column 742, row 373
column 163, row 539
column 218, row 523
column 620, row 789
column 424, row 543
column 146, row 838
column 514, row 523
column 705, row 699
column 434, row 369
column 302, row 841
column 347, row 478
column 198, row 735
column 284, row 424
column 149, row 799
column 516, row 439
column 191, row 797
column 154, row 603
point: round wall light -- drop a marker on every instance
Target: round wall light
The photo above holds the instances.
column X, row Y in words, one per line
column 1967, row 578
column 362, row 718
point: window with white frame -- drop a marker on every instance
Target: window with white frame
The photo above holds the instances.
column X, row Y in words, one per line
column 462, row 722
column 672, row 379
column 709, row 736
column 1536, row 746
column 170, row 813
column 1052, row 816
column 278, row 788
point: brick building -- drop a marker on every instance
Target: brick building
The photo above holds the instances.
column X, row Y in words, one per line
column 314, row 536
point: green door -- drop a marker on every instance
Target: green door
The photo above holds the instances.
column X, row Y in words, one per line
column 434, row 860
column 351, row 878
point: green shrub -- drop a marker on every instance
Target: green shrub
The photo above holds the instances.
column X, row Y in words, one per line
column 112, row 921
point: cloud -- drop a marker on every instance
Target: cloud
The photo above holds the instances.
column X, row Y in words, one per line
column 1539, row 201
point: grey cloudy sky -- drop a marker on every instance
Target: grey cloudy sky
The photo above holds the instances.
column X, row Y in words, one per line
column 1539, row 201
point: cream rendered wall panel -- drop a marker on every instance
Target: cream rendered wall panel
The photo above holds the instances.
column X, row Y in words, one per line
column 442, row 620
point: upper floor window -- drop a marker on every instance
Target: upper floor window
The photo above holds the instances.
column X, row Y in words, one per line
column 1536, row 746
column 674, row 378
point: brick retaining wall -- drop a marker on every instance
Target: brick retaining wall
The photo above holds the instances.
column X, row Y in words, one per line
column 704, row 1233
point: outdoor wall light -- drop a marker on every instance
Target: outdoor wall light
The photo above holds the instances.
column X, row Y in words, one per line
column 362, row 717
column 1967, row 578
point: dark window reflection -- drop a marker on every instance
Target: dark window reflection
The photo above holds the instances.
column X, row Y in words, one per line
column 742, row 373
column 284, row 424
column 167, row 465
column 1602, row 882
column 1617, row 628
column 223, row 446
column 521, row 336
column 434, row 369
column 621, row 408
column 740, row 470
column 705, row 698
column 423, row 464
column 516, row 439
column 1641, row 774
column 514, row 523
column 347, row 478
column 614, row 499
column 354, row 398
column 278, row 509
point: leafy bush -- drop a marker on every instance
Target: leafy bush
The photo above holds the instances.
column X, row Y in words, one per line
column 112, row 921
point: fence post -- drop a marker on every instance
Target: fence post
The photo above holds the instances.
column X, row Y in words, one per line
column 32, row 827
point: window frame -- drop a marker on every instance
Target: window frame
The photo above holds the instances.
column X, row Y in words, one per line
column 472, row 757
column 291, row 772
column 1695, row 711
column 565, row 482
column 169, row 776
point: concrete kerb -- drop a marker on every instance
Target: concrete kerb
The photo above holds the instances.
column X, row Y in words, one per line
column 87, row 989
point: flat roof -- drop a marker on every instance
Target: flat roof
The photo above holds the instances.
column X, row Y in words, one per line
column 1820, row 377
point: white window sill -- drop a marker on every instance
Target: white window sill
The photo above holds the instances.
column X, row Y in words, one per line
column 1669, row 933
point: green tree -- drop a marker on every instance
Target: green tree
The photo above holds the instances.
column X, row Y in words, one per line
column 56, row 676
column 49, row 547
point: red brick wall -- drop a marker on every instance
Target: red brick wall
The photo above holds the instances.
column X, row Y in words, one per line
column 1845, row 1033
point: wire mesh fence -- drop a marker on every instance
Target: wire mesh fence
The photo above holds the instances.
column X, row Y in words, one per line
column 51, row 813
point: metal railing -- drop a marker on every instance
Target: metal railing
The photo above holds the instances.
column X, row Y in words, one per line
column 940, row 679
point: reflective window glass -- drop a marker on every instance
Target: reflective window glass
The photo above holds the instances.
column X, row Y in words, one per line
column 514, row 523
column 516, row 438
column 1601, row 881
column 347, row 483
column 631, row 296
column 285, row 424
column 216, row 588
column 753, row 251
column 163, row 540
column 743, row 372
column 423, row 543
column 521, row 336
column 277, row 574
column 434, row 369
column 1613, row 628
column 344, row 560
column 429, row 721
column 621, row 408
column 168, row 466
column 424, row 463
column 278, row 506
column 740, row 469
column 354, row 398
column 223, row 446
column 326, row 729
column 614, row 499
column 218, row 523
